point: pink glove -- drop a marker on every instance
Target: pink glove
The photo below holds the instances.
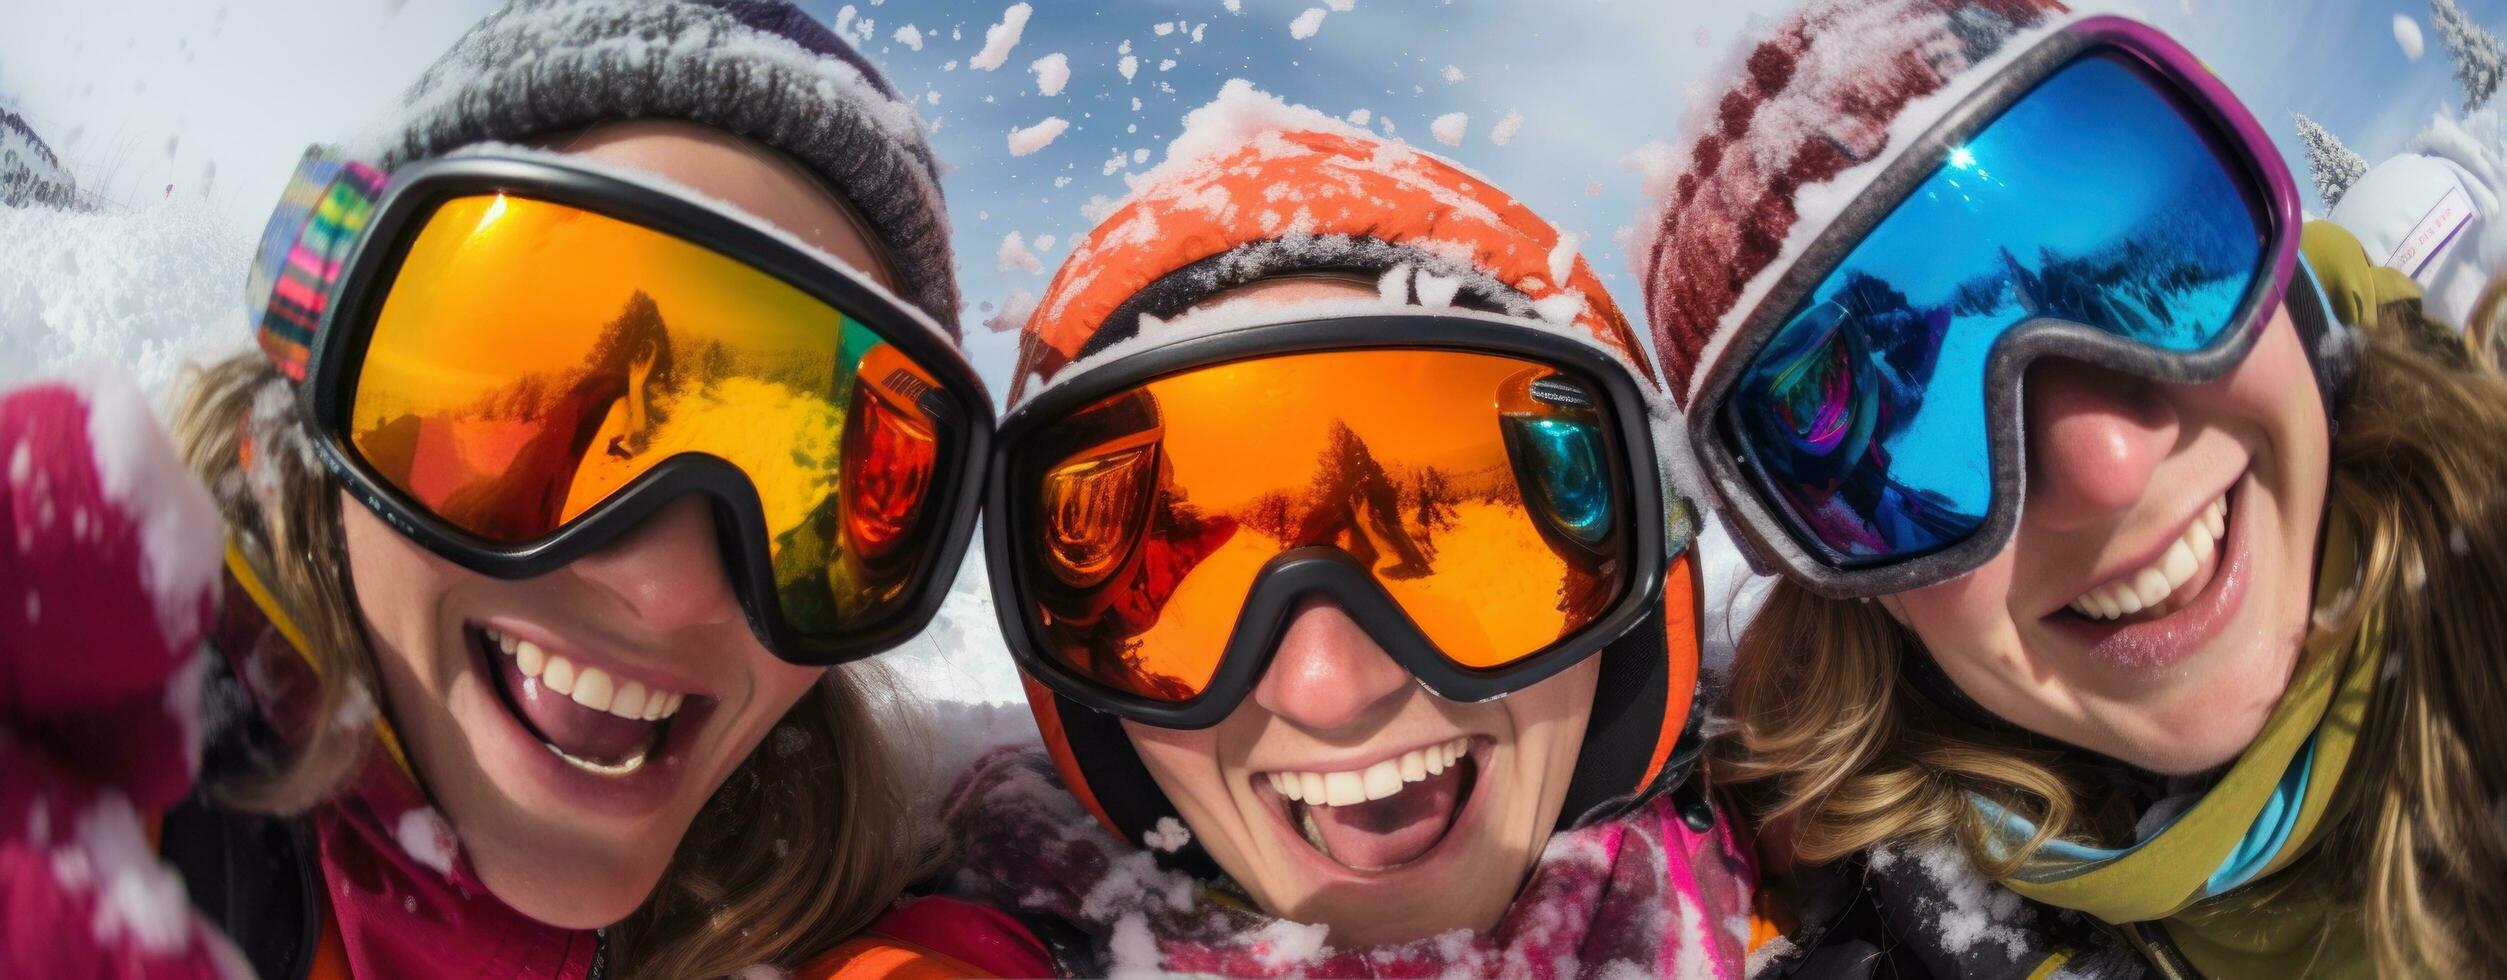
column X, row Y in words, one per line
column 109, row 563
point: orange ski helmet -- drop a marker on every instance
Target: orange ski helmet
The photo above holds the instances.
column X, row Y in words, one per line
column 1256, row 189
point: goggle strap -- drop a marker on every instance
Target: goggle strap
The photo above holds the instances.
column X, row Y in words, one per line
column 319, row 216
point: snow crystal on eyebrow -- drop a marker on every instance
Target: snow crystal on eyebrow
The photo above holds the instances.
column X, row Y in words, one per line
column 427, row 838
column 1001, row 37
column 1029, row 139
column 1052, row 72
column 138, row 471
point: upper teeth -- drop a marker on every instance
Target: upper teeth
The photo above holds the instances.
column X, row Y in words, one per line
column 1372, row 783
column 2152, row 584
column 590, row 687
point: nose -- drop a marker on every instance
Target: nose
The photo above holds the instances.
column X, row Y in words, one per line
column 667, row 574
column 1329, row 675
column 2094, row 438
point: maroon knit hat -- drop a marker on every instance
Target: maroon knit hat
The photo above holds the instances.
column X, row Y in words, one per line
column 1820, row 96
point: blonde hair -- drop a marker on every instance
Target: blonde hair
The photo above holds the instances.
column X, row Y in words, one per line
column 1837, row 750
column 803, row 845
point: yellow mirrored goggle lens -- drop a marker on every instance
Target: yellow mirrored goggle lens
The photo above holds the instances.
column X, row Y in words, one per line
column 1475, row 488
column 533, row 359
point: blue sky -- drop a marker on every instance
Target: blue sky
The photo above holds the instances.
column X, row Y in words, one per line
column 217, row 98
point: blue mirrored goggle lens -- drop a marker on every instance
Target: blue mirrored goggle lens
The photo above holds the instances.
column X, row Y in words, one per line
column 2095, row 199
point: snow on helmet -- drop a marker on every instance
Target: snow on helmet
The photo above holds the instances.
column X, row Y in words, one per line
column 1254, row 189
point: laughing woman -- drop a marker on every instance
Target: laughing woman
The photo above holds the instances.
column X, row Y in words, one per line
column 2115, row 566
column 1333, row 548
column 561, row 479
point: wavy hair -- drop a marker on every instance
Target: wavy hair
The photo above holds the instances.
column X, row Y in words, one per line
column 802, row 845
column 1836, row 749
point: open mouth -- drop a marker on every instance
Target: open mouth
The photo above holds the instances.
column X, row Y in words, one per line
column 1385, row 815
column 2167, row 584
column 587, row 716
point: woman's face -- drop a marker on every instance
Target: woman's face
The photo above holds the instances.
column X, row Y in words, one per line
column 2127, row 480
column 570, row 814
column 1443, row 852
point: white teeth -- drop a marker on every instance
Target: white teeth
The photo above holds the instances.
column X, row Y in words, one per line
column 1375, row 782
column 594, row 689
column 590, row 687
column 560, row 675
column 2152, row 584
column 629, row 701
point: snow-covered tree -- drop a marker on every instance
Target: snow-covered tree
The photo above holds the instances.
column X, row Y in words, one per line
column 2479, row 59
column 2332, row 164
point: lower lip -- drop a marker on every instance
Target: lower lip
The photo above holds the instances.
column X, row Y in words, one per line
column 631, row 794
column 1330, row 872
column 2162, row 643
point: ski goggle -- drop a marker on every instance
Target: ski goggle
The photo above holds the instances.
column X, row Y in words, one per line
column 1483, row 501
column 515, row 361
column 2103, row 199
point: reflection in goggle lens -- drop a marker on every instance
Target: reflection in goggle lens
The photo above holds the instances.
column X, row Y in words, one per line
column 532, row 360
column 2096, row 199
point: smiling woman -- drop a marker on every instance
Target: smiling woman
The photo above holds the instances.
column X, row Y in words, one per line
column 561, row 480
column 2143, row 589
column 1349, row 601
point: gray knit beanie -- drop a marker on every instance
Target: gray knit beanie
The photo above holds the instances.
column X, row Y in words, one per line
column 760, row 69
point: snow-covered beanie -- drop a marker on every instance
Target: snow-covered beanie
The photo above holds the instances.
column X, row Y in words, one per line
column 2422, row 215
column 1255, row 188
column 760, row 69
column 1815, row 111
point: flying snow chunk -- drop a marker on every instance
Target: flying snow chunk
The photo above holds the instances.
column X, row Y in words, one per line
column 1360, row 115
column 1000, row 38
column 1306, row 24
column 1052, row 72
column 1032, row 138
column 1129, row 66
column 1233, row 6
column 1505, row 130
column 1013, row 254
column 2407, row 36
column 910, row 37
column 1449, row 128
column 1340, row 6
column 1452, row 74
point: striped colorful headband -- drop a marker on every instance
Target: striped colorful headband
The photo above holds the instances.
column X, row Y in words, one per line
column 318, row 217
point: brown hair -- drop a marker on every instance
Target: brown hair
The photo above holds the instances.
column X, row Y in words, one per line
column 803, row 844
column 1838, row 750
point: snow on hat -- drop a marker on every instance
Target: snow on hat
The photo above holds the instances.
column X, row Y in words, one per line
column 1812, row 115
column 760, row 69
column 1255, row 188
column 2415, row 214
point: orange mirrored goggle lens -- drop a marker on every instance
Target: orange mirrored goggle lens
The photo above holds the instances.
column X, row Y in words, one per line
column 533, row 359
column 1478, row 490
